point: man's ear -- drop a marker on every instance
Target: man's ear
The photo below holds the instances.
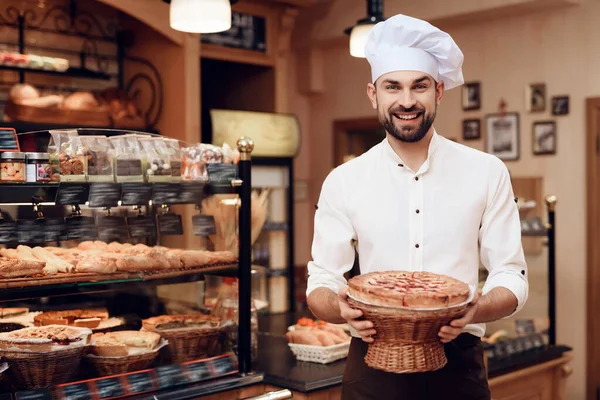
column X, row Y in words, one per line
column 372, row 93
column 439, row 91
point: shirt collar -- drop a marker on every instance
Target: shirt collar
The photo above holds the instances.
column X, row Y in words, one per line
column 394, row 158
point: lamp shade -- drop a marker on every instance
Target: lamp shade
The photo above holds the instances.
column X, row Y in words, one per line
column 358, row 39
column 200, row 16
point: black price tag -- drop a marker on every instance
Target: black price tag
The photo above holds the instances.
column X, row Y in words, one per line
column 222, row 365
column 519, row 345
column 112, row 229
column 8, row 140
column 525, row 326
column 221, row 174
column 72, row 193
column 54, row 229
column 8, row 231
column 139, row 383
column 104, row 194
column 77, row 391
column 81, row 228
column 510, row 347
column 170, row 375
column 141, row 226
column 40, row 394
column 135, row 194
column 108, row 388
column 537, row 340
column 204, row 225
column 191, row 192
column 198, row 371
column 165, row 193
column 170, row 224
column 31, row 231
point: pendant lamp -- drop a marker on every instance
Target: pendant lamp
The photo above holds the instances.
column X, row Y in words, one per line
column 200, row 16
column 359, row 32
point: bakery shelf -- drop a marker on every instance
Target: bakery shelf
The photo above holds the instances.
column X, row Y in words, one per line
column 71, row 72
column 77, row 283
column 26, row 193
column 42, row 129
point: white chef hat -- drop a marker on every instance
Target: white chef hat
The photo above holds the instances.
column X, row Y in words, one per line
column 403, row 43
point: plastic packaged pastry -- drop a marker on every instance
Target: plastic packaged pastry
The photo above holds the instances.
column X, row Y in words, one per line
column 157, row 167
column 127, row 158
column 99, row 158
column 174, row 152
column 71, row 157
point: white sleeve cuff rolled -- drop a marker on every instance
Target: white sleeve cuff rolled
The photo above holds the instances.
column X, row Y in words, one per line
column 514, row 281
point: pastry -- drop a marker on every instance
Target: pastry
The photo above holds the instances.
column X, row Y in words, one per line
column 12, row 312
column 408, row 289
column 15, row 268
column 45, row 338
column 166, row 322
column 87, row 318
column 123, row 343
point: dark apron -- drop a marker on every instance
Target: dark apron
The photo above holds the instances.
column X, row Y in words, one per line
column 463, row 378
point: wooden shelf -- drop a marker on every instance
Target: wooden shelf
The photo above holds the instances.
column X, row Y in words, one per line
column 71, row 72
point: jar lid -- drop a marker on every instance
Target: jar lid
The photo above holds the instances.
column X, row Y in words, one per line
column 12, row 156
column 37, row 156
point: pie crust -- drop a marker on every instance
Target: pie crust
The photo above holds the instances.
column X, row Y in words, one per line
column 408, row 289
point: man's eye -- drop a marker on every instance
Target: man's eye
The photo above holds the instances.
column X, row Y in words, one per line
column 391, row 87
column 421, row 87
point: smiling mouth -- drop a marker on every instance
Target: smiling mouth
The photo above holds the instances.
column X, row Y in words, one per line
column 407, row 117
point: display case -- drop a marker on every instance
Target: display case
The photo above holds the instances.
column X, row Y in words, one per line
column 80, row 268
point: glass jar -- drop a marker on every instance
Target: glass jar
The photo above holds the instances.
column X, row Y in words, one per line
column 38, row 167
column 12, row 167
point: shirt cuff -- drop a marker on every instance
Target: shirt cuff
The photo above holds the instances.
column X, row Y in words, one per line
column 319, row 277
column 516, row 283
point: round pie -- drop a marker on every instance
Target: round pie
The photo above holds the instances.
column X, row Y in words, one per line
column 408, row 289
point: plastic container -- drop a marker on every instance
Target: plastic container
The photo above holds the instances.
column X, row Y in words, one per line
column 12, row 167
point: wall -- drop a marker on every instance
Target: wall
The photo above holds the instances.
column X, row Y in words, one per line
column 555, row 46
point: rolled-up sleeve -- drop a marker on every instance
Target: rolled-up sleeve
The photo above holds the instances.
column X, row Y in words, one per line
column 500, row 238
column 332, row 248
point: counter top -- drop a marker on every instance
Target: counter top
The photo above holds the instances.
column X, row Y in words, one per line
column 281, row 369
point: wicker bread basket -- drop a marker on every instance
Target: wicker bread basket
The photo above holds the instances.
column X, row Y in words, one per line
column 407, row 340
column 56, row 115
column 30, row 370
column 103, row 366
column 188, row 344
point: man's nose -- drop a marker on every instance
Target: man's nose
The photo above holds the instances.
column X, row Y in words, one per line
column 406, row 99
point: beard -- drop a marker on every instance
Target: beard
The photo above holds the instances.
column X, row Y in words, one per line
column 408, row 134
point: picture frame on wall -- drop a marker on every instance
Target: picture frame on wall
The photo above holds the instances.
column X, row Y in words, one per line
column 535, row 97
column 560, row 105
column 471, row 129
column 544, row 137
column 503, row 136
column 471, row 96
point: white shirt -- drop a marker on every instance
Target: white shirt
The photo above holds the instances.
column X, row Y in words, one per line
column 458, row 209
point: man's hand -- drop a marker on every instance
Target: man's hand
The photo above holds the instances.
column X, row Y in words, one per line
column 451, row 331
column 351, row 315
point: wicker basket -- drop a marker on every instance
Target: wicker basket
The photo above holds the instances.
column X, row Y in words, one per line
column 29, row 370
column 103, row 366
column 55, row 115
column 407, row 339
column 191, row 344
column 320, row 354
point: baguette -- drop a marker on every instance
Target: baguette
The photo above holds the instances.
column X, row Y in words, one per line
column 56, row 262
column 14, row 268
column 303, row 337
column 96, row 264
column 9, row 253
column 337, row 331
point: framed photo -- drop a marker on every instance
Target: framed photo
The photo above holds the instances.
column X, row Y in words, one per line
column 535, row 99
column 560, row 105
column 503, row 136
column 544, row 137
column 471, row 129
column 471, row 96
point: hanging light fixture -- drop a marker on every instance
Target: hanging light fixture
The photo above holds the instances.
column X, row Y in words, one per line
column 359, row 32
column 200, row 16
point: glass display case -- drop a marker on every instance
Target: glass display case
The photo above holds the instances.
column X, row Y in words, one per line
column 82, row 272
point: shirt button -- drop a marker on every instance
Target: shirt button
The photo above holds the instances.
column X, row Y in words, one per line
column 417, row 245
column 401, row 165
column 417, row 211
column 416, row 178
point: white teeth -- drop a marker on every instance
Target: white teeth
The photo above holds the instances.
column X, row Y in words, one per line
column 407, row 116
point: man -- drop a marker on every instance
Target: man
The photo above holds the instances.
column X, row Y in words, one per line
column 417, row 201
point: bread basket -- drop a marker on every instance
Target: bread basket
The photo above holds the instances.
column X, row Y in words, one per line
column 320, row 354
column 103, row 366
column 406, row 339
